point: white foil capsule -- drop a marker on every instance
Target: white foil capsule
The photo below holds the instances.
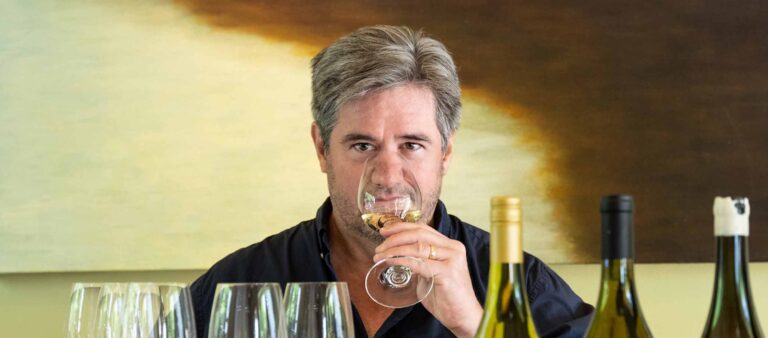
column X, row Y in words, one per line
column 731, row 216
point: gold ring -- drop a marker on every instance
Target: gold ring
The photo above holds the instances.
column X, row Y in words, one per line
column 432, row 252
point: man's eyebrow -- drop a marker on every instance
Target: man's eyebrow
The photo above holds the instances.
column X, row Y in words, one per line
column 354, row 137
column 416, row 137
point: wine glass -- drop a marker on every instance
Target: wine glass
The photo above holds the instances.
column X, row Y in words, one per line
column 177, row 319
column 252, row 310
column 141, row 318
column 83, row 310
column 111, row 310
column 318, row 310
column 390, row 194
column 134, row 310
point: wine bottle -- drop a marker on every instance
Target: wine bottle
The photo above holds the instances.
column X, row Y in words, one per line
column 506, row 313
column 732, row 313
column 618, row 312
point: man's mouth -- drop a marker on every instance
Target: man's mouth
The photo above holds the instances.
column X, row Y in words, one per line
column 389, row 197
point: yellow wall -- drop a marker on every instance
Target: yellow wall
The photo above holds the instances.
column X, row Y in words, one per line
column 674, row 297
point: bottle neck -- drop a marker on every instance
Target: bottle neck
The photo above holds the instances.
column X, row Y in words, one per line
column 617, row 236
column 732, row 264
column 507, row 272
column 618, row 251
column 617, row 291
column 619, row 270
column 732, row 311
column 506, row 242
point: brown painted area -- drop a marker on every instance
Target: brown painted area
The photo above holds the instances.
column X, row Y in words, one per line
column 666, row 101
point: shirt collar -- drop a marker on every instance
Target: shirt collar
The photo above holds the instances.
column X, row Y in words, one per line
column 322, row 226
column 441, row 220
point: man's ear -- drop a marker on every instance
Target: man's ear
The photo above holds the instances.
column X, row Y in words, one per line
column 319, row 146
column 447, row 154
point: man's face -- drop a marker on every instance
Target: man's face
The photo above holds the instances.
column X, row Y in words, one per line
column 394, row 127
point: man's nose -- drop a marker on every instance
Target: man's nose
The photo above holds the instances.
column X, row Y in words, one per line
column 388, row 169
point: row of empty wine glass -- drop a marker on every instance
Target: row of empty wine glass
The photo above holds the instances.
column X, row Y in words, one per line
column 157, row 310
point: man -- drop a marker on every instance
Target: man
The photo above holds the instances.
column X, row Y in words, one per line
column 390, row 95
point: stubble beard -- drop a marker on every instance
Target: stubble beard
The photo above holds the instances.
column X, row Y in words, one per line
column 348, row 213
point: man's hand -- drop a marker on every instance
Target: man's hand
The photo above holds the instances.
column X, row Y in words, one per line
column 452, row 301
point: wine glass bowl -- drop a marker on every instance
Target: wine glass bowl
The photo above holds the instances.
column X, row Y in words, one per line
column 142, row 311
column 83, row 310
column 318, row 310
column 384, row 200
column 177, row 318
column 247, row 310
column 131, row 310
column 387, row 195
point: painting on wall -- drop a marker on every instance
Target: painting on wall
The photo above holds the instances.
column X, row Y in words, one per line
column 145, row 136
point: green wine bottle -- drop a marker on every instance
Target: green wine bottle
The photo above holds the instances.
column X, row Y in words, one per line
column 618, row 312
column 732, row 313
column 506, row 313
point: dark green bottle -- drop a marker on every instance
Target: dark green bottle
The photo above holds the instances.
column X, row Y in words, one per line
column 618, row 314
column 732, row 312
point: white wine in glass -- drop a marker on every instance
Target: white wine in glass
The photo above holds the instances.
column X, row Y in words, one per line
column 387, row 195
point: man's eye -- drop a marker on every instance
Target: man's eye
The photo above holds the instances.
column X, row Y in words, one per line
column 362, row 146
column 413, row 146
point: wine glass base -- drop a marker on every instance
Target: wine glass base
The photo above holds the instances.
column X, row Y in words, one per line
column 395, row 277
column 398, row 282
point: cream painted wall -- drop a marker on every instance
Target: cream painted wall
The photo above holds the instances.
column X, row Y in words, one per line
column 674, row 297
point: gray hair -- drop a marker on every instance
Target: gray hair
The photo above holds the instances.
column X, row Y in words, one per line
column 380, row 57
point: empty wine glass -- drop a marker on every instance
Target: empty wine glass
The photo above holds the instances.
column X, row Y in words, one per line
column 132, row 310
column 83, row 310
column 142, row 311
column 111, row 310
column 391, row 194
column 318, row 310
column 177, row 318
column 252, row 310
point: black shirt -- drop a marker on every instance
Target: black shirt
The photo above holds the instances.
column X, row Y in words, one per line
column 302, row 254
